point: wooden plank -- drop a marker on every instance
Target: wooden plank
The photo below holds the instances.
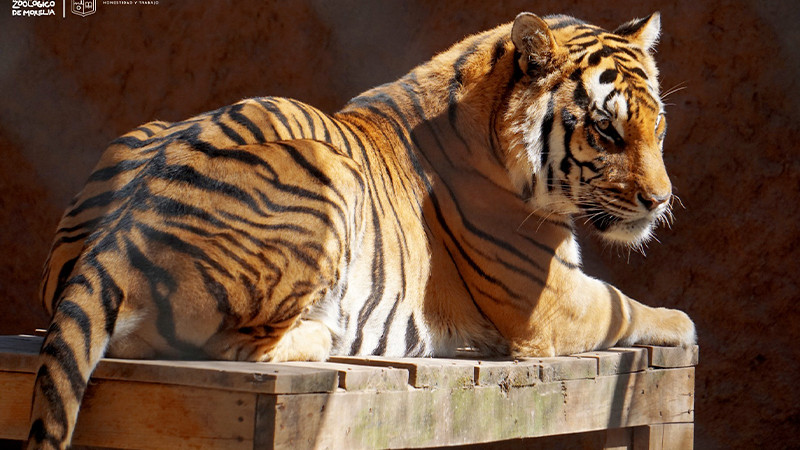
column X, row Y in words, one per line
column 664, row 436
column 619, row 360
column 422, row 372
column 141, row 415
column 677, row 436
column 232, row 375
column 508, row 373
column 561, row 368
column 20, row 354
column 359, row 377
column 668, row 357
column 618, row 439
column 15, row 404
column 440, row 417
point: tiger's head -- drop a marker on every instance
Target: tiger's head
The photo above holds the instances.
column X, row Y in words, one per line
column 587, row 125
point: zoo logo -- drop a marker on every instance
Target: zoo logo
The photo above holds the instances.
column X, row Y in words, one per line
column 83, row 8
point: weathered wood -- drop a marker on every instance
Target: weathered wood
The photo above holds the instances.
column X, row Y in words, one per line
column 15, row 404
column 141, row 415
column 566, row 368
column 618, row 439
column 19, row 354
column 360, row 377
column 352, row 402
column 619, row 360
column 667, row 357
column 422, row 372
column 458, row 416
column 664, row 436
column 508, row 373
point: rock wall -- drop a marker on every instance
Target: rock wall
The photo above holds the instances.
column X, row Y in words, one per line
column 72, row 84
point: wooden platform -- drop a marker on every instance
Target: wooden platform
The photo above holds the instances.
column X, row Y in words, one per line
column 638, row 398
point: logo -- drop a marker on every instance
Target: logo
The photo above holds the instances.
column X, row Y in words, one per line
column 83, row 8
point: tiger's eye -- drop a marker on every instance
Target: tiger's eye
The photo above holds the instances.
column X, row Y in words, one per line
column 603, row 124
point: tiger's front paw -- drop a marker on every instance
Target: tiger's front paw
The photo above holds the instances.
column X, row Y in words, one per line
column 664, row 327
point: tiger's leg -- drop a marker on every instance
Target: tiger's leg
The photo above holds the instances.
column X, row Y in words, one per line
column 592, row 314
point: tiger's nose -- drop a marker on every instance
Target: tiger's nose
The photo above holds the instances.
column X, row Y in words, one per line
column 652, row 201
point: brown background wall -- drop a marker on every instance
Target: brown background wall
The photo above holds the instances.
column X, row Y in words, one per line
column 68, row 86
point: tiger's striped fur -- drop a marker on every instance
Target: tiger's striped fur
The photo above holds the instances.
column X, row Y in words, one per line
column 401, row 225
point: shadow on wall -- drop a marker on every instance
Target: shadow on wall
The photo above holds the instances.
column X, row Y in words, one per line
column 73, row 84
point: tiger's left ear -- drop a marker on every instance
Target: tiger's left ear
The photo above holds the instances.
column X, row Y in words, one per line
column 644, row 32
column 540, row 52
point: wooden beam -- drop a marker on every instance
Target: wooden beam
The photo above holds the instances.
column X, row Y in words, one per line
column 668, row 357
column 141, row 415
column 441, row 417
column 20, row 354
column 664, row 436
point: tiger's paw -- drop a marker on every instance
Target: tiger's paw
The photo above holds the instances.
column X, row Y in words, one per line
column 667, row 327
column 309, row 340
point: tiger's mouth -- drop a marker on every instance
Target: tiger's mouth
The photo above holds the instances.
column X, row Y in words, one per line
column 620, row 230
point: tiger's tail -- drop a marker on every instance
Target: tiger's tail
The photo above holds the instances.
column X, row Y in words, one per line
column 79, row 333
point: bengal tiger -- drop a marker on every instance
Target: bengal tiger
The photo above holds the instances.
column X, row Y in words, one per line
column 432, row 212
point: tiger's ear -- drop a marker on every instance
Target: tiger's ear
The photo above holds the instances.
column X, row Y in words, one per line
column 644, row 32
column 539, row 50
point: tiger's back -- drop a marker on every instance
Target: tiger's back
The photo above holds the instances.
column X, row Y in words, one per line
column 268, row 230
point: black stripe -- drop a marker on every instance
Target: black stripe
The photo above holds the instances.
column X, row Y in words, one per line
column 110, row 293
column 133, row 142
column 303, row 110
column 381, row 348
column 107, row 173
column 563, row 21
column 77, row 314
column 456, row 242
column 306, row 164
column 171, row 207
column 498, row 52
column 266, row 226
column 235, row 113
column 608, row 76
column 469, row 291
column 63, row 275
column 177, row 244
column 189, row 175
column 276, row 112
column 56, row 410
column 162, row 286
column 56, row 347
column 217, row 291
column 547, row 128
column 551, row 251
column 455, row 84
column 191, row 137
column 228, row 131
column 278, row 208
column 377, row 285
column 513, row 268
column 90, row 224
column 638, row 71
column 96, row 201
column 412, row 337
column 580, row 96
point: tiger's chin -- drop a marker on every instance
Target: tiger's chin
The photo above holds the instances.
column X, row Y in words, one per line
column 627, row 232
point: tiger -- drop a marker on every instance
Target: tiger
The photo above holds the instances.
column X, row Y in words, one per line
column 431, row 213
